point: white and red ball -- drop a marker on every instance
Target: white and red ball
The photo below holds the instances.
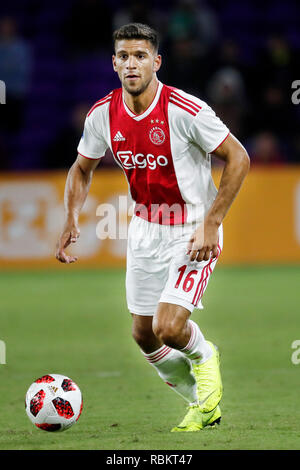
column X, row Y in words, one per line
column 53, row 402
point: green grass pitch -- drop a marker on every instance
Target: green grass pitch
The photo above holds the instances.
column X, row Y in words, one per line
column 76, row 323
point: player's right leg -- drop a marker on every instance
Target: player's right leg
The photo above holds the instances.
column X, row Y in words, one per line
column 182, row 293
column 172, row 325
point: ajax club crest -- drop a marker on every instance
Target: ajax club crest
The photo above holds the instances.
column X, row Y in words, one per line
column 157, row 135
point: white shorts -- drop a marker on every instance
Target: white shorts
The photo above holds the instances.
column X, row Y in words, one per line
column 159, row 270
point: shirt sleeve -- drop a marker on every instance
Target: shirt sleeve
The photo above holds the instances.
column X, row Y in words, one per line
column 92, row 144
column 207, row 130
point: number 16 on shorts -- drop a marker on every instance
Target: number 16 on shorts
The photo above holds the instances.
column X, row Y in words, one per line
column 189, row 281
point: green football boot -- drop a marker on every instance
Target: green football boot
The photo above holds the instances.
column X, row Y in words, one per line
column 209, row 382
column 195, row 419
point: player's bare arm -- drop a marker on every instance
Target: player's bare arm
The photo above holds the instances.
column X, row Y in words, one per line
column 76, row 190
column 204, row 241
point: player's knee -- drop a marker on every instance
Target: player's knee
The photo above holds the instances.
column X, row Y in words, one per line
column 139, row 337
column 168, row 333
column 142, row 336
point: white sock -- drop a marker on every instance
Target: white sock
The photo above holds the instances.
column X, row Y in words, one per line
column 197, row 349
column 175, row 370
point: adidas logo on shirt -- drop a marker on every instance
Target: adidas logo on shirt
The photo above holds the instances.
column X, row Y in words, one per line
column 118, row 137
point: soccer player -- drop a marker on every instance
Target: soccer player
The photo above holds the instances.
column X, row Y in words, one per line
column 162, row 138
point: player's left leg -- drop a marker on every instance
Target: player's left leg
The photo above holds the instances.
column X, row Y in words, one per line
column 171, row 324
column 170, row 364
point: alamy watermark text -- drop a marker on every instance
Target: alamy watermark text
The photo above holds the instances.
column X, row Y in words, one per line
column 2, row 352
column 2, row 92
column 295, row 358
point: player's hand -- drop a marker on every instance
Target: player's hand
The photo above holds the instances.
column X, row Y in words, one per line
column 70, row 234
column 203, row 243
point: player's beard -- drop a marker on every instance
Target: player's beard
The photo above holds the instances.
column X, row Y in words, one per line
column 139, row 90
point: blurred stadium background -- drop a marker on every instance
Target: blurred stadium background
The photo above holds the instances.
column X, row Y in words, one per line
column 55, row 59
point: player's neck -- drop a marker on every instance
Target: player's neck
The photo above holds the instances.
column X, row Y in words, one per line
column 139, row 104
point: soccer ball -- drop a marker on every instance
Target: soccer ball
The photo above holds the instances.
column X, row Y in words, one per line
column 53, row 402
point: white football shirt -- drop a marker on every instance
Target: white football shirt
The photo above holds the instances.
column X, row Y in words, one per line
column 164, row 152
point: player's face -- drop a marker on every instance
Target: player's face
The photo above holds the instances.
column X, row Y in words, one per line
column 136, row 63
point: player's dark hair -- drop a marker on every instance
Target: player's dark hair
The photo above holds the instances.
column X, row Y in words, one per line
column 137, row 31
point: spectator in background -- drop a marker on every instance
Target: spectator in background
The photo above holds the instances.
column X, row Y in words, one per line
column 88, row 27
column 183, row 73
column 276, row 109
column 265, row 149
column 61, row 153
column 192, row 31
column 226, row 93
column 278, row 69
column 225, row 54
column 229, row 54
column 194, row 19
column 15, row 70
column 135, row 11
column 277, row 60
